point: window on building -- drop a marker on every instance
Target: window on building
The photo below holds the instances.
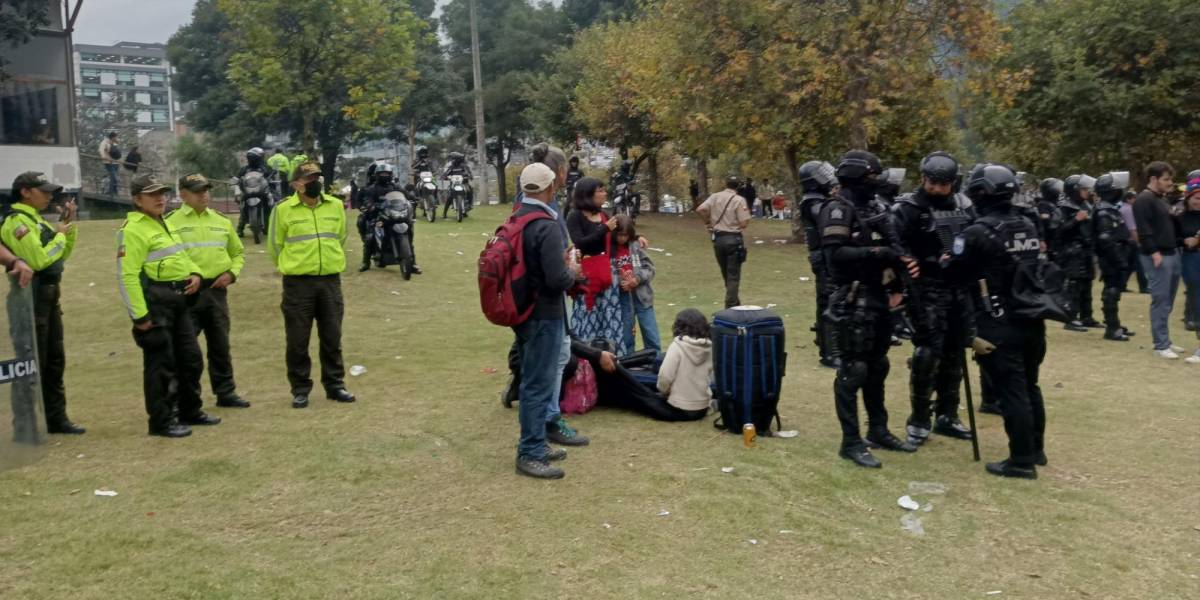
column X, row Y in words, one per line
column 34, row 112
column 141, row 80
column 125, row 78
column 108, row 77
column 92, row 93
column 143, row 116
column 160, row 116
column 143, row 60
column 158, row 98
column 90, row 76
column 97, row 57
column 142, row 98
column 158, row 80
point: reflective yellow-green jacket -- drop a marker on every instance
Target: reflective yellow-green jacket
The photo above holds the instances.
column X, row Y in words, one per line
column 153, row 248
column 211, row 242
column 297, row 160
column 282, row 165
column 308, row 241
column 34, row 240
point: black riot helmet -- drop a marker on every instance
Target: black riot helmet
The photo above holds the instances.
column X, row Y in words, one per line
column 860, row 172
column 574, row 161
column 817, row 176
column 939, row 167
column 422, row 152
column 1111, row 186
column 988, row 185
column 456, row 157
column 1051, row 189
column 1071, row 187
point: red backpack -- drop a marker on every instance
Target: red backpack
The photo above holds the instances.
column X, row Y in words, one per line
column 503, row 293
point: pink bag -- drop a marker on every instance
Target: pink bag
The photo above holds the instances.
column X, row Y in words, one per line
column 580, row 393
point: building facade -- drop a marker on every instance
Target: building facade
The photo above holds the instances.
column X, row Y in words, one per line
column 129, row 82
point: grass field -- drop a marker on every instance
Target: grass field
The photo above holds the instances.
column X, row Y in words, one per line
column 410, row 493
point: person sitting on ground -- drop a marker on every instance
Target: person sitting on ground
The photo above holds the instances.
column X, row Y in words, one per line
column 686, row 373
column 635, row 271
column 617, row 387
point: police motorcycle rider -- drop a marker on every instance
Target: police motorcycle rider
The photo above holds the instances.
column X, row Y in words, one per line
column 1074, row 249
column 866, row 265
column 457, row 165
column 249, row 186
column 1113, row 241
column 370, row 199
column 421, row 163
column 927, row 221
column 1010, row 340
column 818, row 179
column 624, row 175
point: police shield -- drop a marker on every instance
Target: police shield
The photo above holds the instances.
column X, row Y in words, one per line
column 22, row 421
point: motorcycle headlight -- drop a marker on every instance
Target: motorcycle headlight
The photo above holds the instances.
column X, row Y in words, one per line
column 458, row 188
column 430, row 186
column 400, row 228
column 253, row 201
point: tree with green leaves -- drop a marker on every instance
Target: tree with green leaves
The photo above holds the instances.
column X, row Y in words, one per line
column 19, row 21
column 337, row 66
column 517, row 41
column 432, row 103
column 1092, row 86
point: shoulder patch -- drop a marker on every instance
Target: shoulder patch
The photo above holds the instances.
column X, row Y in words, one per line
column 836, row 213
column 960, row 244
column 21, row 231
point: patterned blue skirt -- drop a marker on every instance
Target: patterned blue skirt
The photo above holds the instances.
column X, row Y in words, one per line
column 603, row 322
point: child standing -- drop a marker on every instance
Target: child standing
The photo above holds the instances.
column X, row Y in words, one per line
column 636, row 271
column 687, row 371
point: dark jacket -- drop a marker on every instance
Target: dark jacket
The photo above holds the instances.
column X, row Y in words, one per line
column 1156, row 228
column 547, row 276
column 590, row 238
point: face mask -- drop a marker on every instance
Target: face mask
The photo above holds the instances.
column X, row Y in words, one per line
column 385, row 179
column 312, row 189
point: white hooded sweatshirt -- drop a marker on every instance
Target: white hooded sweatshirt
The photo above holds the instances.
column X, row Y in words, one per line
column 686, row 373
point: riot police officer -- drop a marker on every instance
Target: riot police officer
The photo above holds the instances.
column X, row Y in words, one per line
column 1113, row 241
column 574, row 174
column 860, row 246
column 927, row 221
column 1011, row 342
column 421, row 164
column 817, row 179
column 890, row 190
column 1050, row 191
column 1074, row 249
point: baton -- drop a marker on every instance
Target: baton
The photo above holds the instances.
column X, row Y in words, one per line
column 970, row 407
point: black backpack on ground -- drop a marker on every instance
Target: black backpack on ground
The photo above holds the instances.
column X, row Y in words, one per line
column 749, row 360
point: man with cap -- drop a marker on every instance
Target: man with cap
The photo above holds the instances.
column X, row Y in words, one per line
column 217, row 251
column 44, row 248
column 732, row 218
column 305, row 242
column 540, row 337
column 158, row 282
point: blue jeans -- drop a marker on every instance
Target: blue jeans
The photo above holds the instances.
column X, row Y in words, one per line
column 112, row 178
column 564, row 356
column 539, row 343
column 632, row 309
column 1164, row 284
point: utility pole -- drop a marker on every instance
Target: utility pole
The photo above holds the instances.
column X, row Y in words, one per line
column 480, row 151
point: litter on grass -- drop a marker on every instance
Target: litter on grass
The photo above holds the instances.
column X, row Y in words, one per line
column 664, row 513
column 907, row 503
column 726, row 469
column 357, row 370
column 787, row 433
column 912, row 524
column 926, row 487
column 105, row 492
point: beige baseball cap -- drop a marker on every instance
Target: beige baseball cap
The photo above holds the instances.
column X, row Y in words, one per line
column 536, row 178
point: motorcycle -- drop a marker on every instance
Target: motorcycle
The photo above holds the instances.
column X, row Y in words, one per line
column 427, row 191
column 256, row 193
column 458, row 196
column 625, row 201
column 391, row 233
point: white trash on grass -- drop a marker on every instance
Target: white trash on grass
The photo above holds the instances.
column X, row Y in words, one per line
column 912, row 524
column 357, row 370
column 907, row 503
column 105, row 492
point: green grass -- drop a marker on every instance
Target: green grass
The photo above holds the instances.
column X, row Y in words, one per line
column 410, row 493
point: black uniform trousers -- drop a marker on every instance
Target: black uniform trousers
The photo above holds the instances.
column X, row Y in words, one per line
column 817, row 260
column 939, row 339
column 308, row 298
column 1114, row 277
column 52, row 358
column 731, row 253
column 1016, row 361
column 863, row 348
column 171, row 359
column 210, row 314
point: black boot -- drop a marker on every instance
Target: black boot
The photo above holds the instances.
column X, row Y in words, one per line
column 1116, row 335
column 1075, row 326
column 882, row 438
column 1007, row 468
column 950, row 426
column 860, row 455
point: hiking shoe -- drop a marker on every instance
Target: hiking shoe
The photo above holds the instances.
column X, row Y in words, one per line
column 884, row 439
column 1090, row 323
column 1007, row 468
column 1116, row 335
column 917, row 433
column 555, row 454
column 1127, row 331
column 950, row 426
column 1193, row 359
column 538, row 469
column 66, row 427
column 990, row 408
column 201, row 418
column 1075, row 326
column 560, row 433
column 1178, row 349
column 1167, row 354
column 234, row 401
column 860, row 455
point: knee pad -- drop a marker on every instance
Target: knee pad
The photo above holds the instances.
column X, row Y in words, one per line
column 854, row 372
column 1110, row 294
column 924, row 359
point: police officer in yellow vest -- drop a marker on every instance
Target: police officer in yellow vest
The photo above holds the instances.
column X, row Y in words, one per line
column 305, row 241
column 44, row 247
column 217, row 251
column 158, row 283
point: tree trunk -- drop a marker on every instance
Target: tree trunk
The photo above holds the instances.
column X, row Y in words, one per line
column 794, row 172
column 329, row 153
column 652, row 164
column 501, row 179
column 702, row 179
column 412, row 140
column 310, row 135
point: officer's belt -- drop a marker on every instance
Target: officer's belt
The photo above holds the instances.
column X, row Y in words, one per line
column 727, row 233
column 175, row 286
